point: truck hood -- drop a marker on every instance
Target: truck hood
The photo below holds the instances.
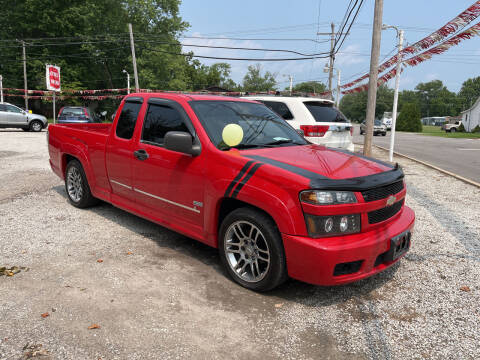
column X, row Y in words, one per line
column 327, row 167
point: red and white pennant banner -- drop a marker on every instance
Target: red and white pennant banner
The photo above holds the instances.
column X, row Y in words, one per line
column 449, row 28
column 426, row 55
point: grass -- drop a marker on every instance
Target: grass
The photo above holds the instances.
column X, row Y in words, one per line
column 430, row 130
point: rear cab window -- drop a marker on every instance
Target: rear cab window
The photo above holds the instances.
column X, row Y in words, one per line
column 280, row 108
column 128, row 119
column 325, row 112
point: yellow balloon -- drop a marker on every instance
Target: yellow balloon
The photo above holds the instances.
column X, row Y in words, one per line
column 232, row 134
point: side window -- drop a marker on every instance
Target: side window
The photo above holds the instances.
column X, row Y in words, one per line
column 3, row 107
column 13, row 109
column 158, row 121
column 280, row 108
column 127, row 120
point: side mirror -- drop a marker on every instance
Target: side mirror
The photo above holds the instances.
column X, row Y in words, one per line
column 181, row 141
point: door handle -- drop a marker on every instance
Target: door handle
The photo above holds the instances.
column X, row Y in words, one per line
column 141, row 154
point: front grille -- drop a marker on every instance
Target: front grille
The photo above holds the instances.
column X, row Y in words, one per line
column 383, row 191
column 384, row 213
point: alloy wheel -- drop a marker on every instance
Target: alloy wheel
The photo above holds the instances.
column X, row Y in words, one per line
column 247, row 251
column 74, row 184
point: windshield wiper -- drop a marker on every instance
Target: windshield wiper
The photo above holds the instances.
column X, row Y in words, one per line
column 239, row 146
column 282, row 141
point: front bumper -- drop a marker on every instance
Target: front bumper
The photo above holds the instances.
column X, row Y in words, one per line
column 315, row 260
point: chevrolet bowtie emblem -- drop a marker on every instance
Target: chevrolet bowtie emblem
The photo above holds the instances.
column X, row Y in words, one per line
column 391, row 200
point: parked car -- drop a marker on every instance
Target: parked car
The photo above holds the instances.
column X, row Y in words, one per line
column 378, row 128
column 12, row 116
column 321, row 122
column 232, row 174
column 76, row 114
column 452, row 127
column 387, row 119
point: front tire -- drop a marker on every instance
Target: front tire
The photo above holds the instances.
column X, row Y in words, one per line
column 251, row 250
column 76, row 186
column 36, row 126
column 384, row 134
column 452, row 130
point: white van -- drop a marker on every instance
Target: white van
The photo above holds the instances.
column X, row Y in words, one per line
column 321, row 122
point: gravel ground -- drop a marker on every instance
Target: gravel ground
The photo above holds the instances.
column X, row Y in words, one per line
column 157, row 294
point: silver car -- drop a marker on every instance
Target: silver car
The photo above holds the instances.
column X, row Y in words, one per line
column 378, row 128
column 12, row 116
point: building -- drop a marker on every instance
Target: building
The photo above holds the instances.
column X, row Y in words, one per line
column 471, row 117
column 434, row 120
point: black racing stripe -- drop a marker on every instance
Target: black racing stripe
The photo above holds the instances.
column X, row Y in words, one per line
column 318, row 181
column 292, row 168
column 238, row 177
column 363, row 157
column 245, row 179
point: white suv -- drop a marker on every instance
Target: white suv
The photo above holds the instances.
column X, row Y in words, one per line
column 321, row 122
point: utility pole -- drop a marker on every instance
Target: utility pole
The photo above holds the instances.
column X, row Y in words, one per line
column 291, row 84
column 134, row 59
column 332, row 58
column 338, row 87
column 332, row 54
column 1, row 89
column 372, row 83
column 395, row 94
column 25, row 76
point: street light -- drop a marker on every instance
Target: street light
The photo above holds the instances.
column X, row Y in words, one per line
column 397, row 84
column 128, row 80
column 326, row 69
column 291, row 82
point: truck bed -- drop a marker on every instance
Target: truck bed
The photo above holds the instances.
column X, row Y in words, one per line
column 87, row 142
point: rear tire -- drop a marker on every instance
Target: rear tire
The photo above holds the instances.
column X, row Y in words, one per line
column 36, row 126
column 251, row 250
column 384, row 134
column 76, row 186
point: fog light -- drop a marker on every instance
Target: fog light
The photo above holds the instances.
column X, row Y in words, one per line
column 328, row 225
column 343, row 224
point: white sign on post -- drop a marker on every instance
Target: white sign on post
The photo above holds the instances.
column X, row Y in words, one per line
column 53, row 82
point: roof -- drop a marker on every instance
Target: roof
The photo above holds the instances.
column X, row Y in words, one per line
column 187, row 97
column 474, row 106
column 288, row 98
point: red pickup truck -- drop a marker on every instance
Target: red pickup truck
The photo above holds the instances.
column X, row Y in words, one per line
column 232, row 174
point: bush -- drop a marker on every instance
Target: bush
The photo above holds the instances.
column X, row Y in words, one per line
column 476, row 129
column 409, row 118
column 461, row 128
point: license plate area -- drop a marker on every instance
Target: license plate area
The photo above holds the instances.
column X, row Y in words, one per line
column 399, row 245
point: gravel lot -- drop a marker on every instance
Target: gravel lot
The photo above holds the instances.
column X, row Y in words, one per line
column 157, row 294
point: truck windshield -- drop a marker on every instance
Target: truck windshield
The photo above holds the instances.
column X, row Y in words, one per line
column 324, row 112
column 261, row 126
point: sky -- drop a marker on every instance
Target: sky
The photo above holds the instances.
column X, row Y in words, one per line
column 302, row 19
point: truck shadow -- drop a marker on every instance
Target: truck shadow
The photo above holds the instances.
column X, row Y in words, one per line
column 291, row 291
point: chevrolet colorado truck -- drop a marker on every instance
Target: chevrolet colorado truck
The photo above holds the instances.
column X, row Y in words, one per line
column 232, row 174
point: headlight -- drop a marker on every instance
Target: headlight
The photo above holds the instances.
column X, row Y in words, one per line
column 321, row 197
column 318, row 226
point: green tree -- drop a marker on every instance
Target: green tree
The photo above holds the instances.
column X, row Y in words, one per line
column 469, row 92
column 409, row 118
column 436, row 99
column 255, row 81
column 309, row 87
column 354, row 106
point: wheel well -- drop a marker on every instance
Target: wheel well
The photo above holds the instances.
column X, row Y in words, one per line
column 66, row 159
column 228, row 205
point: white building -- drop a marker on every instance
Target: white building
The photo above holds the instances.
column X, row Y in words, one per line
column 471, row 117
